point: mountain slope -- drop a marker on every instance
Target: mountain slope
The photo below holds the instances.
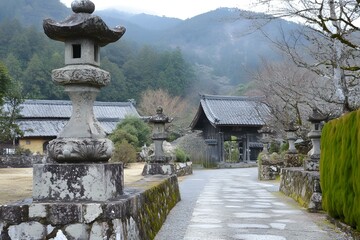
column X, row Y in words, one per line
column 225, row 41
column 32, row 13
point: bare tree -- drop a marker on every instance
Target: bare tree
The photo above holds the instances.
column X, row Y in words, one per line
column 291, row 93
column 174, row 106
column 328, row 44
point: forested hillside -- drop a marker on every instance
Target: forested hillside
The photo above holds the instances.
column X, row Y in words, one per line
column 30, row 56
column 210, row 53
column 30, row 12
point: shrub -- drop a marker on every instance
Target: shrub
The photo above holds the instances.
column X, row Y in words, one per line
column 180, row 155
column 22, row 151
column 274, row 147
column 340, row 168
column 133, row 130
column 284, row 147
column 124, row 152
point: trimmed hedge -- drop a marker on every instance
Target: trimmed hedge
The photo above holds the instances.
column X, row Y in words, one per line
column 340, row 168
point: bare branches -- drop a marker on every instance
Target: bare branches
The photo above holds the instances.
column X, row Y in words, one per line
column 174, row 106
column 292, row 92
column 328, row 44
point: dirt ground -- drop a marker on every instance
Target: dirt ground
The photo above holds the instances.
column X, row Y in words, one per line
column 16, row 183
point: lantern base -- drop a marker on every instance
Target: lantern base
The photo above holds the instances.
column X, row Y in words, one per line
column 78, row 150
column 159, row 169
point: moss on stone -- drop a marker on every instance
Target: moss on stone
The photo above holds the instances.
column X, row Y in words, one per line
column 157, row 202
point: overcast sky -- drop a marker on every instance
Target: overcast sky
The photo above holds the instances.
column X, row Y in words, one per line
column 182, row 9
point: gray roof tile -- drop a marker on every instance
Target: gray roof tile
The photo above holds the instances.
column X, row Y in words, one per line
column 48, row 117
column 231, row 110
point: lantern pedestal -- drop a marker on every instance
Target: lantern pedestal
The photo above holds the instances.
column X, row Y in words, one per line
column 80, row 182
column 312, row 163
column 159, row 168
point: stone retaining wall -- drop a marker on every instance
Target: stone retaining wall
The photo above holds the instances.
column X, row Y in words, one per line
column 183, row 169
column 138, row 214
column 269, row 166
column 20, row 161
column 302, row 186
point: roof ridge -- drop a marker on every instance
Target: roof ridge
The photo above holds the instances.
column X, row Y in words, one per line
column 68, row 102
column 48, row 102
column 223, row 97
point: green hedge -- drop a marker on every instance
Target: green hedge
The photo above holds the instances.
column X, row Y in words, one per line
column 340, row 168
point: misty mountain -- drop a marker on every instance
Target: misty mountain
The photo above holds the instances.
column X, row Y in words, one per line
column 221, row 39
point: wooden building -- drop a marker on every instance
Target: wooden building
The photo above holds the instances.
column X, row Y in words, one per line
column 221, row 117
column 42, row 120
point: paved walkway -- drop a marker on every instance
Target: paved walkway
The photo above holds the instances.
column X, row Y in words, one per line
column 232, row 204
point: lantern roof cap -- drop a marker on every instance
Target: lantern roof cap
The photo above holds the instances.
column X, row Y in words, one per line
column 266, row 129
column 82, row 24
column 291, row 127
column 316, row 116
column 160, row 117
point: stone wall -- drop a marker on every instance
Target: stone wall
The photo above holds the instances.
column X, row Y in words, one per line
column 269, row 166
column 183, row 169
column 22, row 161
column 138, row 214
column 302, row 186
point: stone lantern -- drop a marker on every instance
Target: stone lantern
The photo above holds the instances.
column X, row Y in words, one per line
column 82, row 139
column 291, row 137
column 159, row 162
column 312, row 162
column 265, row 137
column 77, row 169
column 291, row 158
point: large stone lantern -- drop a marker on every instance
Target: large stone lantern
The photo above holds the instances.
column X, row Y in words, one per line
column 312, row 162
column 78, row 170
column 82, row 139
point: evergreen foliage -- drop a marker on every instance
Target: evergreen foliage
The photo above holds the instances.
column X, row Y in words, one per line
column 30, row 57
column 124, row 152
column 4, row 82
column 11, row 95
column 340, row 168
column 132, row 130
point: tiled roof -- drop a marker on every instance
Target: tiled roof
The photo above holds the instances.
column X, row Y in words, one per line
column 232, row 111
column 51, row 128
column 48, row 117
column 63, row 109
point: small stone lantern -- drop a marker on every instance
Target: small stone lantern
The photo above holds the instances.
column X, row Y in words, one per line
column 159, row 162
column 312, row 162
column 265, row 137
column 159, row 135
column 291, row 137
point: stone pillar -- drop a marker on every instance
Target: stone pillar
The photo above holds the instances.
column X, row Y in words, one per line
column 311, row 163
column 79, row 170
column 265, row 138
column 221, row 147
column 159, row 163
column 291, row 158
column 268, row 167
column 291, row 137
